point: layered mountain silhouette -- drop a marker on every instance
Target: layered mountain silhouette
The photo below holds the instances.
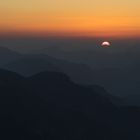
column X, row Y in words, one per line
column 118, row 75
column 29, row 64
column 109, row 65
column 48, row 105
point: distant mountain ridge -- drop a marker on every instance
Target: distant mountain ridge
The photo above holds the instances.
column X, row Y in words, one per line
column 28, row 65
column 119, row 75
column 7, row 55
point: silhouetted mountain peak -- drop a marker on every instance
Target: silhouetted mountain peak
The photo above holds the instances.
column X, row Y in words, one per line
column 61, row 109
column 30, row 65
column 8, row 77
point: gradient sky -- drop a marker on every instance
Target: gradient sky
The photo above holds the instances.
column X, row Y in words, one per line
column 71, row 17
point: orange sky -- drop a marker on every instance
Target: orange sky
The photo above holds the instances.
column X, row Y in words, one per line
column 71, row 17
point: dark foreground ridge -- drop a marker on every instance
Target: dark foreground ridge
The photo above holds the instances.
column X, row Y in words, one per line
column 49, row 106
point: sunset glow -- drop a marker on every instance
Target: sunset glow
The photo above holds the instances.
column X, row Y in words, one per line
column 71, row 17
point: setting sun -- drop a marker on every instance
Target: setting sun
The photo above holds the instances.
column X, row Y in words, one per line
column 105, row 44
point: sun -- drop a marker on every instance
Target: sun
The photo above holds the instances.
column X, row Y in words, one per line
column 105, row 44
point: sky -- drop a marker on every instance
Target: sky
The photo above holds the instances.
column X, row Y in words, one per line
column 101, row 18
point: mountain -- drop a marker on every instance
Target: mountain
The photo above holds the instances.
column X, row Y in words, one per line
column 109, row 65
column 106, row 71
column 8, row 77
column 32, row 64
column 7, row 55
column 48, row 105
column 29, row 64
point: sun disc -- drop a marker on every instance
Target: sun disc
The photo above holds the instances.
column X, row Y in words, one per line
column 105, row 44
